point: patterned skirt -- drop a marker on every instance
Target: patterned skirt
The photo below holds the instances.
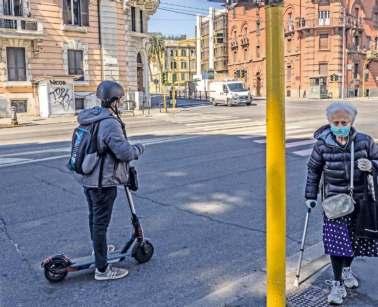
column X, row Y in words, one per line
column 339, row 238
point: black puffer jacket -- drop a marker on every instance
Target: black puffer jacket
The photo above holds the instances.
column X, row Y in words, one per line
column 334, row 160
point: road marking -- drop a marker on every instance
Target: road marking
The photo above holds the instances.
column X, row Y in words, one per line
column 26, row 153
column 303, row 153
column 291, row 144
column 12, row 160
column 28, row 161
column 300, row 143
column 148, row 142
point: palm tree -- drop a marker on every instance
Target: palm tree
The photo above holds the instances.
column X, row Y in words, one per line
column 156, row 51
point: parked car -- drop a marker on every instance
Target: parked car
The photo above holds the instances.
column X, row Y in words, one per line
column 229, row 93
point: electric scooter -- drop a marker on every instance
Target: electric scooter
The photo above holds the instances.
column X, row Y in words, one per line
column 57, row 267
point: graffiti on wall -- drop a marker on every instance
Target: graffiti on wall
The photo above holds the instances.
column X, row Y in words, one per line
column 61, row 96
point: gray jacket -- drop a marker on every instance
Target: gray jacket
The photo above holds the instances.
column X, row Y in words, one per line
column 111, row 140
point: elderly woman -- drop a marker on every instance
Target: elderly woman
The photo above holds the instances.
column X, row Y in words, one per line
column 331, row 157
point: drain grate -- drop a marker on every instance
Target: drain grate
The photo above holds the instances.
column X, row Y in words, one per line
column 309, row 297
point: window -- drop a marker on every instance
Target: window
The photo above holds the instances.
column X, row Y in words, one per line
column 234, row 13
column 133, row 21
column 79, row 103
column 323, row 41
column 16, row 64
column 75, row 12
column 141, row 21
column 183, row 65
column 21, row 105
column 257, row 51
column 288, row 73
column 323, row 69
column 12, row 7
column 356, row 71
column 324, row 18
column 183, row 52
column 75, row 63
column 183, row 76
column 176, row 52
column 171, row 52
column 174, row 77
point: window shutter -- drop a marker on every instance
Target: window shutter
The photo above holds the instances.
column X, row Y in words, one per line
column 141, row 21
column 84, row 12
column 11, row 64
column 20, row 64
column 67, row 16
column 133, row 22
column 323, row 41
column 71, row 62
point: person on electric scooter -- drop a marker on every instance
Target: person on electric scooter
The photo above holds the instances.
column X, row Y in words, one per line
column 100, row 187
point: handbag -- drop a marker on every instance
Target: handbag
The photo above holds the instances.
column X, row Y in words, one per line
column 367, row 217
column 341, row 204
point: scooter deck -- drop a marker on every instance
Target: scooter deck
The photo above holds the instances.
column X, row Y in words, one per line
column 87, row 261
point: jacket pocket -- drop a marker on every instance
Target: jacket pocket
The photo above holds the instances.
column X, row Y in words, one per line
column 120, row 172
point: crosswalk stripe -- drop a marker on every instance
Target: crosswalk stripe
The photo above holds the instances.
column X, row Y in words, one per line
column 303, row 153
column 300, row 143
column 221, row 122
column 4, row 161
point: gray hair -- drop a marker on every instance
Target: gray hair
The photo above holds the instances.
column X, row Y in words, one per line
column 342, row 106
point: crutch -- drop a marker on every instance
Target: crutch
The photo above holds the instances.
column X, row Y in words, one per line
column 301, row 251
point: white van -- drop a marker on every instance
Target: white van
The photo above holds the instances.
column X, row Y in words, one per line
column 229, row 93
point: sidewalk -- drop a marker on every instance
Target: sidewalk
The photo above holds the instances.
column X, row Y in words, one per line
column 314, row 292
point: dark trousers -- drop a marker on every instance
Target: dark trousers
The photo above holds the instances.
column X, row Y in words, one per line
column 100, row 203
column 338, row 263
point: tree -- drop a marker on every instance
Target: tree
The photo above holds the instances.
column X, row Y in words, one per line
column 156, row 50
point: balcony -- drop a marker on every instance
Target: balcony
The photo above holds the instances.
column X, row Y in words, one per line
column 234, row 45
column 289, row 28
column 244, row 42
column 372, row 55
column 20, row 27
column 307, row 24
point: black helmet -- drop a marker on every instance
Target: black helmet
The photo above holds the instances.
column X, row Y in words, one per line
column 108, row 92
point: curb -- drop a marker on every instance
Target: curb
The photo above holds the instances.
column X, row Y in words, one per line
column 253, row 285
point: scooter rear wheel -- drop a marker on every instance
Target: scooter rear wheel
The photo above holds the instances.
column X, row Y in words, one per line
column 143, row 252
column 55, row 271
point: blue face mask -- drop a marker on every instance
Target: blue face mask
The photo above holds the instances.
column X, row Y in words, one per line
column 340, row 131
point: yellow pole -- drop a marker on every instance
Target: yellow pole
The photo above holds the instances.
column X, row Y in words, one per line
column 165, row 102
column 275, row 156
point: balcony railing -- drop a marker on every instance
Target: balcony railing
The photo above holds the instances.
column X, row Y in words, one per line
column 306, row 24
column 372, row 55
column 15, row 26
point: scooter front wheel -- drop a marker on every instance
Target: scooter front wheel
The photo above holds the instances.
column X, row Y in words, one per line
column 142, row 252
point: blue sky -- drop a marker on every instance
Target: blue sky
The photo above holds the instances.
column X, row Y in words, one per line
column 168, row 22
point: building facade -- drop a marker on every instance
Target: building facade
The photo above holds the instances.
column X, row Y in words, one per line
column 54, row 53
column 313, row 47
column 211, row 39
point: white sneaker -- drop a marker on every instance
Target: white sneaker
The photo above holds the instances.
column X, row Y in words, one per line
column 337, row 294
column 350, row 281
column 111, row 273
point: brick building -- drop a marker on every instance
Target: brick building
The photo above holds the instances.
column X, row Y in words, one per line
column 54, row 53
column 313, row 47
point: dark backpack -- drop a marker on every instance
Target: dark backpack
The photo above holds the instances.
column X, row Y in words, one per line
column 84, row 151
